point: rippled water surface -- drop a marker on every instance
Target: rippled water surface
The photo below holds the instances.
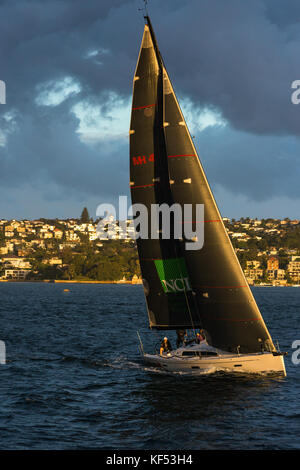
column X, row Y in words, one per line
column 74, row 379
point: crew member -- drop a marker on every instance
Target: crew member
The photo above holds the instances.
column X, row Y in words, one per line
column 199, row 337
column 180, row 337
column 165, row 346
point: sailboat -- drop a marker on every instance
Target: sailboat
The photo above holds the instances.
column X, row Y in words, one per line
column 188, row 289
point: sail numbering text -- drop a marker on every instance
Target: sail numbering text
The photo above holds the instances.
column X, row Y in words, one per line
column 160, row 221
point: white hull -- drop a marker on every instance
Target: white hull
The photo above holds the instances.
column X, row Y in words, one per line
column 201, row 358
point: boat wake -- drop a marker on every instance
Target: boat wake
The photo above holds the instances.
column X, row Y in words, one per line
column 122, row 362
column 203, row 372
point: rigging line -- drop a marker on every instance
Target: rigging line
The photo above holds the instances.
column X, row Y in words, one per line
column 179, row 253
column 177, row 245
column 157, row 335
column 186, row 297
column 185, row 294
column 163, row 70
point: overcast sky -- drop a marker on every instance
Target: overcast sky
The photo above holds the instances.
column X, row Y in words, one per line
column 68, row 67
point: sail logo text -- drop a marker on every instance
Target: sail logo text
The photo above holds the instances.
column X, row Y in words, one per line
column 2, row 92
column 173, row 275
column 176, row 285
column 156, row 222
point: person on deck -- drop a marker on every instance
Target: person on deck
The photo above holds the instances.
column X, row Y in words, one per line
column 181, row 334
column 199, row 337
column 165, row 346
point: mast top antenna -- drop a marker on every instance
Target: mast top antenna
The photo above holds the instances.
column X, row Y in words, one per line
column 144, row 9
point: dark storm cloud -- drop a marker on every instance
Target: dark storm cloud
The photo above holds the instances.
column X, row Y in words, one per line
column 46, row 147
column 234, row 57
column 238, row 57
column 259, row 167
column 44, row 42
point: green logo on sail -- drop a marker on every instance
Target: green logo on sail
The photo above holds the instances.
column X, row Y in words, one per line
column 173, row 275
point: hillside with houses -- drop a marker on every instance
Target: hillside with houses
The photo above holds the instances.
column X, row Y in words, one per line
column 268, row 250
column 66, row 250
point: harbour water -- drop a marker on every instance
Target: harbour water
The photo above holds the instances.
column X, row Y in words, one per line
column 73, row 378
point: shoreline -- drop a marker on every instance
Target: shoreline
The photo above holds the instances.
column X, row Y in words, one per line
column 59, row 281
column 74, row 281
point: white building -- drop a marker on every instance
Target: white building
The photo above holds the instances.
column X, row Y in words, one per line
column 17, row 274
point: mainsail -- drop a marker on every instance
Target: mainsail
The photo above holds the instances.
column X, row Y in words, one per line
column 170, row 300
column 184, row 288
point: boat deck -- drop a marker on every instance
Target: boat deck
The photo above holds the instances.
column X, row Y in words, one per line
column 203, row 356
